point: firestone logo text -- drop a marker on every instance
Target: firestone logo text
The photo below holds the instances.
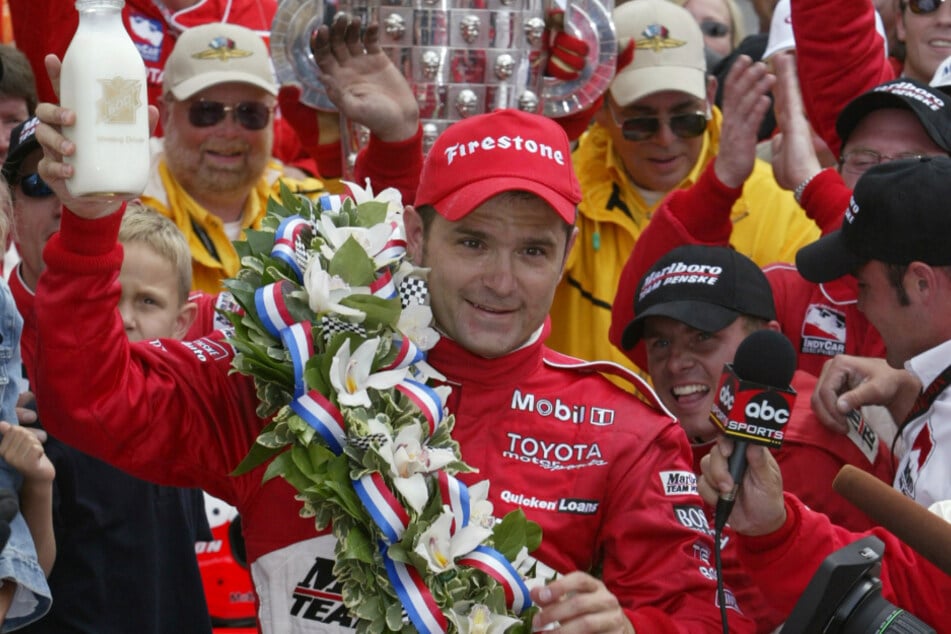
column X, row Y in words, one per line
column 472, row 148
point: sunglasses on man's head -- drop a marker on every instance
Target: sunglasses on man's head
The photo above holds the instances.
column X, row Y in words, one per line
column 922, row 7
column 251, row 115
column 34, row 186
column 684, row 126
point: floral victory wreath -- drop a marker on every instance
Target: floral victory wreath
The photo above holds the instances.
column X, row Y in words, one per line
column 334, row 329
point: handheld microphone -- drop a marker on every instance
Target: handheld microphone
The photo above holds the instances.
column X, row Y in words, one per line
column 754, row 402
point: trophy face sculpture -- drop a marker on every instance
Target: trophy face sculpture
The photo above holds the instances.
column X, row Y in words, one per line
column 460, row 57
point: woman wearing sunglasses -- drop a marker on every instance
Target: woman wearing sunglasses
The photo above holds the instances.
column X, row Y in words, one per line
column 840, row 55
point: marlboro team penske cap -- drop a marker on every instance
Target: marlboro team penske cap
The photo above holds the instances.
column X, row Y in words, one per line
column 703, row 286
column 929, row 105
column 506, row 150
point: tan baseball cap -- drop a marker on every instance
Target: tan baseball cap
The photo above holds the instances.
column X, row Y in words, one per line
column 217, row 53
column 667, row 51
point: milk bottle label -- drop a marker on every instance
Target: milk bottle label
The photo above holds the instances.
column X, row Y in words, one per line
column 120, row 100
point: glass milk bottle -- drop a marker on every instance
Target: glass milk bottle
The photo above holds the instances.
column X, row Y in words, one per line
column 103, row 81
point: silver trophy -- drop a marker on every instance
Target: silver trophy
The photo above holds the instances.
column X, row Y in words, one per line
column 460, row 57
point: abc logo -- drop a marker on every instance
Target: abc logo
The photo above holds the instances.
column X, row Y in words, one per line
column 767, row 408
column 728, row 395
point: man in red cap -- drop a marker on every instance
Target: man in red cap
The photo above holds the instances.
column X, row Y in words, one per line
column 494, row 220
column 607, row 478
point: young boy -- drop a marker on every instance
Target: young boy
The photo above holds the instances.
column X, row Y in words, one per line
column 116, row 526
column 110, row 523
column 155, row 277
column 156, row 303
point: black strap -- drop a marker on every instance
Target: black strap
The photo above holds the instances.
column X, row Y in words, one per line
column 205, row 240
column 928, row 396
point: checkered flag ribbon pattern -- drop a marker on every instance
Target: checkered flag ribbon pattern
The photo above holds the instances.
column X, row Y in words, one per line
column 302, row 248
column 413, row 290
column 330, row 326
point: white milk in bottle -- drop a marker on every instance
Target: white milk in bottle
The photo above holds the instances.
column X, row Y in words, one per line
column 103, row 81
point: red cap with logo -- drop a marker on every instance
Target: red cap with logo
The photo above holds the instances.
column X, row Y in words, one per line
column 505, row 150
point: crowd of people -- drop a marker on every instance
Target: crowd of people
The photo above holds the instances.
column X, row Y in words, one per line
column 790, row 180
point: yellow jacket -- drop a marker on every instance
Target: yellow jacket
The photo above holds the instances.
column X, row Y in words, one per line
column 768, row 227
column 204, row 231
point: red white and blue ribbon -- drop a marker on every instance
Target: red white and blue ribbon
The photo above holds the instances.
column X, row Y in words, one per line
column 494, row 564
column 382, row 505
column 321, row 414
column 455, row 495
column 329, row 202
column 407, row 353
column 395, row 247
column 300, row 345
column 286, row 238
column 425, row 399
column 383, row 286
column 271, row 307
column 415, row 596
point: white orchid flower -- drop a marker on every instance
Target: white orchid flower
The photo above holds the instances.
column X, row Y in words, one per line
column 480, row 620
column 416, row 323
column 325, row 291
column 440, row 548
column 409, row 459
column 391, row 196
column 351, row 375
column 534, row 573
column 371, row 239
column 480, row 509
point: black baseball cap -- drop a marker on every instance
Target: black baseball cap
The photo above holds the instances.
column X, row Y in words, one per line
column 929, row 105
column 22, row 143
column 705, row 287
column 898, row 214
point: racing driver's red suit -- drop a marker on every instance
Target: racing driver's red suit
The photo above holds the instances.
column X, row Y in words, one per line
column 608, row 480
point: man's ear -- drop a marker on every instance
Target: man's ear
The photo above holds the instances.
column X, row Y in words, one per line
column 923, row 281
column 415, row 231
column 164, row 112
column 569, row 244
column 900, row 32
column 186, row 317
